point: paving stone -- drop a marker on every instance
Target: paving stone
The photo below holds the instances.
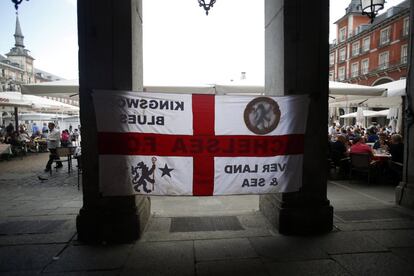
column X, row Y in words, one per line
column 375, row 264
column 161, row 258
column 30, row 226
column 223, row 249
column 185, row 236
column 406, row 253
column 159, row 225
column 348, row 242
column 198, row 224
column 27, row 257
column 79, row 258
column 50, row 238
column 325, row 267
column 255, row 220
column 372, row 214
column 287, row 248
column 375, row 225
column 84, row 273
column 244, row 267
column 21, row 273
column 393, row 238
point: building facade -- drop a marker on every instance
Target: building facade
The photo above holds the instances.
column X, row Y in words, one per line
column 370, row 54
column 17, row 66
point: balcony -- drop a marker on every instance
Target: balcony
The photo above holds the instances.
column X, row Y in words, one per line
column 383, row 43
column 404, row 33
column 356, row 53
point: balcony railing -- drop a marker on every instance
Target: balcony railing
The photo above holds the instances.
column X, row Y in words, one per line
column 356, row 52
column 383, row 43
column 404, row 33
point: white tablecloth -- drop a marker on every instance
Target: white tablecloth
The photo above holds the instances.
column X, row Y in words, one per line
column 5, row 149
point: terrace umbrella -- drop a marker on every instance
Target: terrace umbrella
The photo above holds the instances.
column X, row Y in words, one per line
column 360, row 119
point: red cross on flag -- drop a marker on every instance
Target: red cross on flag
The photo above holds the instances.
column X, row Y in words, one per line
column 201, row 145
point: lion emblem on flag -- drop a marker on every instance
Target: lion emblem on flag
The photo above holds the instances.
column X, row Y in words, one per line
column 142, row 176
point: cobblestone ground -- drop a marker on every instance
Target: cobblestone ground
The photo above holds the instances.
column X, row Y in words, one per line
column 24, row 195
column 371, row 236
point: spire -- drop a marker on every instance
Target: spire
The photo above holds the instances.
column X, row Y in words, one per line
column 18, row 36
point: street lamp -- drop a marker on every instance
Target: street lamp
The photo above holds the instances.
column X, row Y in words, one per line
column 371, row 7
column 205, row 5
column 17, row 3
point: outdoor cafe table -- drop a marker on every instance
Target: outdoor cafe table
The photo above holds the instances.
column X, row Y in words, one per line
column 382, row 156
column 5, row 149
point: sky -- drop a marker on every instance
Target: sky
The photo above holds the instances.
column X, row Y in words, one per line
column 181, row 44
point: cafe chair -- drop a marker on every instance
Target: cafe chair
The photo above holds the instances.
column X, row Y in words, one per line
column 360, row 163
column 65, row 155
column 396, row 170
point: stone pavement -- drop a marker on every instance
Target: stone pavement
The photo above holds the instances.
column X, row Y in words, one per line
column 197, row 236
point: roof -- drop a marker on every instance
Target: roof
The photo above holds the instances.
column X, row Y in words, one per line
column 380, row 18
column 390, row 13
column 47, row 75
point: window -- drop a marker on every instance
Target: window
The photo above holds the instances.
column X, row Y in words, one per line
column 342, row 34
column 342, row 54
column 385, row 36
column 383, row 60
column 365, row 66
column 355, row 49
column 406, row 26
column 354, row 69
column 331, row 75
column 366, row 44
column 332, row 59
column 404, row 51
column 341, row 73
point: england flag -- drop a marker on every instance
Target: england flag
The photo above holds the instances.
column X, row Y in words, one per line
column 199, row 145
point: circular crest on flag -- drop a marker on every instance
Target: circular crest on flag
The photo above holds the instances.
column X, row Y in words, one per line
column 262, row 115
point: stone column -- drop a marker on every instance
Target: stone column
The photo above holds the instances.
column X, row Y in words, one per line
column 110, row 57
column 297, row 53
column 404, row 193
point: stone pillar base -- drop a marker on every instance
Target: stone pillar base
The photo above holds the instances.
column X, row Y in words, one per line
column 404, row 194
column 297, row 220
column 115, row 223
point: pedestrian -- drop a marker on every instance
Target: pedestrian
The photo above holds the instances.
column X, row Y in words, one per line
column 35, row 128
column 53, row 142
column 45, row 129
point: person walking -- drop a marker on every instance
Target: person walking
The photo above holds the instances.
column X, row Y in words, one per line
column 53, row 141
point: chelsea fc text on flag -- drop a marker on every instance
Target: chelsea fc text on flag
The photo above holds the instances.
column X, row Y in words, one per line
column 200, row 145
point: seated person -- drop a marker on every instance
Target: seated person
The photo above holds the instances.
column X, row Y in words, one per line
column 381, row 143
column 359, row 146
column 339, row 149
column 372, row 136
column 396, row 148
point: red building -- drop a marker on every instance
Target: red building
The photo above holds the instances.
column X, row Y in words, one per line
column 370, row 54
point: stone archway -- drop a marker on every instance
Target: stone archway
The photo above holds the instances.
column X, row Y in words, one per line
column 110, row 58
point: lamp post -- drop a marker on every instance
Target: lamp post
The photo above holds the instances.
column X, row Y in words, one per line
column 372, row 7
column 205, row 5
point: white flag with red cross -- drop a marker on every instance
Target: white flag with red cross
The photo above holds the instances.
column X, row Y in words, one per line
column 200, row 145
